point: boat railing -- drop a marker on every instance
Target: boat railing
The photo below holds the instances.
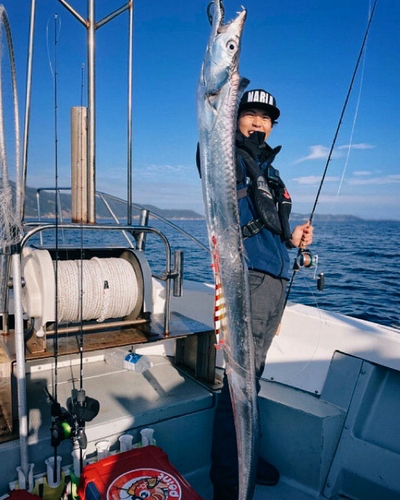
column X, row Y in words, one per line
column 135, row 235
column 106, row 199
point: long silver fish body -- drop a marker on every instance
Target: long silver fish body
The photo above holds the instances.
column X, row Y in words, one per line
column 218, row 93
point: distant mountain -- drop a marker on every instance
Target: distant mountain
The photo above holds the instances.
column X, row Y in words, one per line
column 324, row 218
column 47, row 209
column 48, row 206
column 174, row 213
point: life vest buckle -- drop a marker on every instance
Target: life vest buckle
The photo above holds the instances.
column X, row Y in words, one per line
column 252, row 228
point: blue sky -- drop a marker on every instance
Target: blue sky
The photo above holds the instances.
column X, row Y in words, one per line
column 302, row 51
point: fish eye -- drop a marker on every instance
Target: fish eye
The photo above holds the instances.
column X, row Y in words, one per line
column 144, row 494
column 231, row 45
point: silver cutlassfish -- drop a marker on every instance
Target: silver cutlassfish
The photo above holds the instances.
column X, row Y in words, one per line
column 218, row 93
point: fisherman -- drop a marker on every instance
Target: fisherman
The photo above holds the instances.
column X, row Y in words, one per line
column 264, row 209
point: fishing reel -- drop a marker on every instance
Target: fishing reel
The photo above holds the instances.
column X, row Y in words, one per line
column 305, row 258
column 61, row 423
column 83, row 409
column 70, row 423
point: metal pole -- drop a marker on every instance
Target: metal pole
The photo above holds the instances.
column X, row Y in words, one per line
column 4, row 274
column 20, row 364
column 92, row 114
column 130, row 80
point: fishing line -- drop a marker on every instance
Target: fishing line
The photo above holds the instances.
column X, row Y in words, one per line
column 346, row 162
column 311, row 357
column 295, row 267
column 56, row 36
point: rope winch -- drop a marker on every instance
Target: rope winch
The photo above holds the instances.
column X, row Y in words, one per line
column 88, row 289
column 108, row 287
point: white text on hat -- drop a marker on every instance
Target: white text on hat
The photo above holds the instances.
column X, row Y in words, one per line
column 257, row 96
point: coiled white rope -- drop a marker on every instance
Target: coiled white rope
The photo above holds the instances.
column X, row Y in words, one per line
column 96, row 289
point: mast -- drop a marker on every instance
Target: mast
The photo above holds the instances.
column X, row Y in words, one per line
column 91, row 178
column 91, row 26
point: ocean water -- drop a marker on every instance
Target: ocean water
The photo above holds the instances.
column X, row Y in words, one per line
column 360, row 261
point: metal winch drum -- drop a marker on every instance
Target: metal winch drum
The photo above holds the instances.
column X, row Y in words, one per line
column 108, row 284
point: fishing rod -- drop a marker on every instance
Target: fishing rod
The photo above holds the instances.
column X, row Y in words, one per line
column 304, row 257
column 58, row 430
column 67, row 423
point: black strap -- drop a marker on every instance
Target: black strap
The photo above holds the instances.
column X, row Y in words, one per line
column 252, row 228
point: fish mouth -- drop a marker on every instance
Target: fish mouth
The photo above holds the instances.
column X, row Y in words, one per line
column 216, row 17
column 237, row 22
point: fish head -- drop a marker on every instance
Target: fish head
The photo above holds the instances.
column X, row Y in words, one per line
column 222, row 55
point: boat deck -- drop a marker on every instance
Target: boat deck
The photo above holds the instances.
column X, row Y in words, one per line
column 283, row 491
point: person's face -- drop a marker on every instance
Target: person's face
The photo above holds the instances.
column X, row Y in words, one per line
column 254, row 120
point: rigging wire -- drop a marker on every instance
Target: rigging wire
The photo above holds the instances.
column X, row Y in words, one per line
column 301, row 250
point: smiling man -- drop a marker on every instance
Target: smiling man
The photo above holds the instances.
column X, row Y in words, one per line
column 264, row 208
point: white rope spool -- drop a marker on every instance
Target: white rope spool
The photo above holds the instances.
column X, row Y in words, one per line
column 96, row 289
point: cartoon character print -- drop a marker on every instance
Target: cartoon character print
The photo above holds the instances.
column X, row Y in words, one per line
column 144, row 484
column 148, row 488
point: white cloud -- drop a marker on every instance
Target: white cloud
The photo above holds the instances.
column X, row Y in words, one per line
column 387, row 179
column 361, row 173
column 361, row 145
column 162, row 170
column 317, row 152
column 314, row 179
column 320, row 152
